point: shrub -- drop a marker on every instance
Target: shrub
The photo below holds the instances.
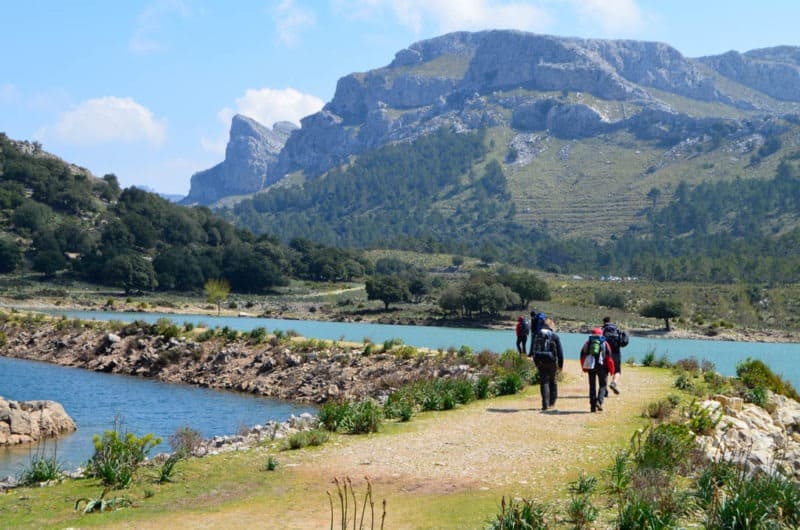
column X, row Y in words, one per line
column 311, row 437
column 482, row 387
column 754, row 373
column 272, row 464
column 664, row 446
column 185, row 441
column 659, row 410
column 524, row 513
column 649, row 358
column 758, row 396
column 165, row 328
column 257, row 335
column 40, row 469
column 609, row 299
column 688, row 365
column 702, row 420
column 508, row 384
column 168, row 467
column 683, row 381
column 388, row 344
column 206, row 335
column 351, row 418
column 365, row 417
column 117, row 455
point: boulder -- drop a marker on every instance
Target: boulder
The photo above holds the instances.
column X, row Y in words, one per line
column 32, row 421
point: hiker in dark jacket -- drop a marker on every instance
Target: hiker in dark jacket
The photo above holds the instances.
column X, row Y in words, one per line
column 611, row 333
column 548, row 356
column 597, row 365
column 523, row 327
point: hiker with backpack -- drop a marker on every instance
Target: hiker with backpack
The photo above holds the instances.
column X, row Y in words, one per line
column 548, row 356
column 597, row 361
column 522, row 330
column 537, row 320
column 616, row 339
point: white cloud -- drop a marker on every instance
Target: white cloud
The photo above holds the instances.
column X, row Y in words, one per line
column 453, row 15
column 266, row 106
column 106, row 120
column 612, row 16
column 291, row 20
column 148, row 32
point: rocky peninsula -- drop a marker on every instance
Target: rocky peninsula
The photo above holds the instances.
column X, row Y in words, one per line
column 293, row 368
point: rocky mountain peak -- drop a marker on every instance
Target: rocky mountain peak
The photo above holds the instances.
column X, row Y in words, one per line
column 567, row 87
column 250, row 150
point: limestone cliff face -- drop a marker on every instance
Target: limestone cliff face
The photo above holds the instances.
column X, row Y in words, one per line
column 513, row 79
column 251, row 148
column 773, row 71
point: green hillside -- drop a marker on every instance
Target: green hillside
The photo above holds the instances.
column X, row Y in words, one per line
column 62, row 224
column 616, row 204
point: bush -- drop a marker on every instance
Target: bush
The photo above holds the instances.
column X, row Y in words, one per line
column 351, row 418
column 754, row 373
column 166, row 329
column 117, row 456
column 610, row 299
column 524, row 513
column 649, row 358
column 664, row 446
column 482, row 387
column 508, row 384
column 41, row 469
column 258, row 335
column 659, row 410
column 185, row 441
column 702, row 420
column 683, row 381
column 313, row 437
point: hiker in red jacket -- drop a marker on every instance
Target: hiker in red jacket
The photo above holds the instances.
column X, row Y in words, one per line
column 597, row 362
column 523, row 328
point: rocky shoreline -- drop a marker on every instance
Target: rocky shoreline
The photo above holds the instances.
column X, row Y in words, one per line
column 304, row 370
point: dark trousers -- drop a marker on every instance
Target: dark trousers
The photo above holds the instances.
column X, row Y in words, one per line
column 521, row 341
column 547, row 384
column 598, row 390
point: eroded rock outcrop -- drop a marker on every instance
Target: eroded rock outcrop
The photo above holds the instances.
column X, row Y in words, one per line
column 749, row 435
column 24, row 422
column 251, row 148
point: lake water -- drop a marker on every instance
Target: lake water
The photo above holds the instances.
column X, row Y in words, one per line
column 93, row 399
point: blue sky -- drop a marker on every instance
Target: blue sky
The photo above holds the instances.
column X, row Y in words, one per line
column 146, row 89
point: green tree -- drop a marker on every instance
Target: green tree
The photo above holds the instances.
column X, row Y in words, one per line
column 10, row 255
column 216, row 291
column 665, row 309
column 132, row 272
column 528, row 286
column 388, row 289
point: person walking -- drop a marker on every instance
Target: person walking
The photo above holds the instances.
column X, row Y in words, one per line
column 616, row 340
column 548, row 356
column 522, row 330
column 597, row 361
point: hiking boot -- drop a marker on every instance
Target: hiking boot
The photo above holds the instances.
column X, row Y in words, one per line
column 613, row 387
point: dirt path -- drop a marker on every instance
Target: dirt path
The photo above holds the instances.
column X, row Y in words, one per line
column 450, row 469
